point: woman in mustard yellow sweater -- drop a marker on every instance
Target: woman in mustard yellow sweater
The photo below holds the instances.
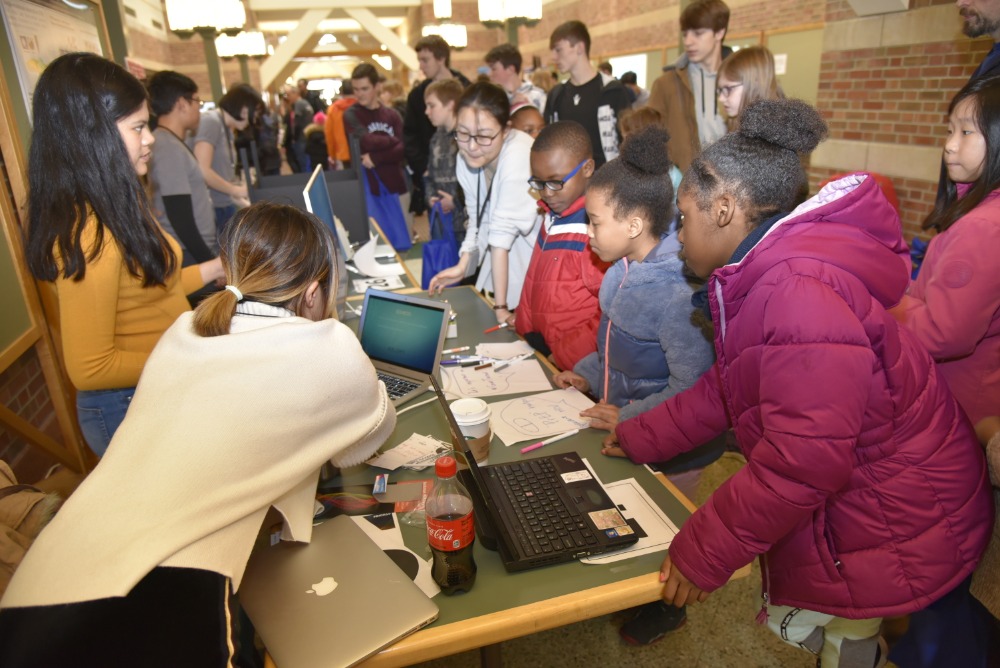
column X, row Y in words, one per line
column 92, row 233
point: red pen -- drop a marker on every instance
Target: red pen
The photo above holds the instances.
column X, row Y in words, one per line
column 502, row 325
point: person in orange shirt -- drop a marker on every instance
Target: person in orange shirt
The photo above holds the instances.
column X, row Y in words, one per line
column 91, row 233
column 336, row 137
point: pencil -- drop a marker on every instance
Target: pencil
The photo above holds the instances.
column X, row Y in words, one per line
column 540, row 444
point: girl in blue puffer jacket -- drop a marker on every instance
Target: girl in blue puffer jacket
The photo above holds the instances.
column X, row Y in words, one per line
column 649, row 346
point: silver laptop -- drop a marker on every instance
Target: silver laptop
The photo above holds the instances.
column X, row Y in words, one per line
column 333, row 602
column 403, row 336
column 317, row 198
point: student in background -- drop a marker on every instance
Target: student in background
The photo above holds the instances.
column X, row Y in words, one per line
column 441, row 181
column 648, row 347
column 434, row 57
column 208, row 470
column 634, row 121
column 559, row 311
column 953, row 308
column 298, row 113
column 839, row 411
column 685, row 94
column 213, row 148
column 527, row 119
column 181, row 200
column 504, row 62
column 338, row 149
column 591, row 98
column 746, row 76
column 493, row 171
column 92, row 234
column 379, row 130
column 316, row 142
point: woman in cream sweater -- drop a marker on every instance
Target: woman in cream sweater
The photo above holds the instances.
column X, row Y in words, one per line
column 239, row 405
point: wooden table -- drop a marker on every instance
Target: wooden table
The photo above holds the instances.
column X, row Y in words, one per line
column 502, row 605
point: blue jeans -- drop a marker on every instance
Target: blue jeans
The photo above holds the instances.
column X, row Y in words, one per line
column 100, row 412
column 222, row 216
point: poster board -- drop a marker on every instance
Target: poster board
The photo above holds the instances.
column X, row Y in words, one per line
column 36, row 32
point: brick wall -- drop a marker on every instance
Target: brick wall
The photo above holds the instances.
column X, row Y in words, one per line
column 896, row 97
column 775, row 14
column 23, row 390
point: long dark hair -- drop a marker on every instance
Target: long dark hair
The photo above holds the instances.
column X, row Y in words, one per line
column 948, row 208
column 78, row 160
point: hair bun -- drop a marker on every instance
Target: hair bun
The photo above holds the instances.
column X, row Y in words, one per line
column 646, row 150
column 791, row 124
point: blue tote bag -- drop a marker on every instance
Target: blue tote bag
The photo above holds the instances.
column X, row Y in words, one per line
column 388, row 213
column 441, row 252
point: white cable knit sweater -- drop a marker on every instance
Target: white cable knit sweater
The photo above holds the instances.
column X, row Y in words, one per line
column 219, row 430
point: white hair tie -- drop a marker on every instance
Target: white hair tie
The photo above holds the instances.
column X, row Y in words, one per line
column 235, row 291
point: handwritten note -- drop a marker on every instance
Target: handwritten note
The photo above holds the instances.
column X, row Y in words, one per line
column 540, row 415
column 503, row 351
column 523, row 376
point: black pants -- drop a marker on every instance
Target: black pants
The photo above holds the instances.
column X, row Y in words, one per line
column 173, row 617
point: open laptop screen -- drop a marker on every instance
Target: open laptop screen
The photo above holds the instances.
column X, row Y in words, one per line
column 317, row 198
column 401, row 332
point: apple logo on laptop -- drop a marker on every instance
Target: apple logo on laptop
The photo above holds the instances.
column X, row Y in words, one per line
column 323, row 587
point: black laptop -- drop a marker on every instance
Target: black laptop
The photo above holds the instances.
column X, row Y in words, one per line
column 541, row 510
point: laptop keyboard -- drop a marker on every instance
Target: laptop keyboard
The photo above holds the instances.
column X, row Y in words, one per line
column 545, row 523
column 396, row 387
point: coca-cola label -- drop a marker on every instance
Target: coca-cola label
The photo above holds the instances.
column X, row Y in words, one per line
column 450, row 535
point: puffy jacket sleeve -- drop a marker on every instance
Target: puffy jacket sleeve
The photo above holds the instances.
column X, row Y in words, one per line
column 578, row 342
column 686, row 348
column 954, row 300
column 812, row 373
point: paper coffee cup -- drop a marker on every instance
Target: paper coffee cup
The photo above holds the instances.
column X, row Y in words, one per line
column 473, row 418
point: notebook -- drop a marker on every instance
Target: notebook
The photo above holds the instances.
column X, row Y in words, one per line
column 540, row 510
column 403, row 336
column 332, row 602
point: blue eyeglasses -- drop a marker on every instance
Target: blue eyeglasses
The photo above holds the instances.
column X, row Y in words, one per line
column 554, row 186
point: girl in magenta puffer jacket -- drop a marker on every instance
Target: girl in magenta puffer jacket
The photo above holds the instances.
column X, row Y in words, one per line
column 865, row 492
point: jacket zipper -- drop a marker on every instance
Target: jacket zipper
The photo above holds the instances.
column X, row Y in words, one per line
column 762, row 616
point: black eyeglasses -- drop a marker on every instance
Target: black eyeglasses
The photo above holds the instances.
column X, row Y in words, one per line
column 466, row 137
column 554, row 186
column 726, row 91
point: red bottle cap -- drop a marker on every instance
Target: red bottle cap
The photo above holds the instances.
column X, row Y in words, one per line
column 445, row 467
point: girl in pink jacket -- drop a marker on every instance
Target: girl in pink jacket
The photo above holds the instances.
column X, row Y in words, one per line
column 865, row 492
column 954, row 305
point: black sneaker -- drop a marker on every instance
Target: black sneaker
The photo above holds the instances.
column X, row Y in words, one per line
column 651, row 622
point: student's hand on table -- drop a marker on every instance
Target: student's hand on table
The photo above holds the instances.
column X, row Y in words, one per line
column 445, row 277
column 366, row 160
column 239, row 191
column 987, row 428
column 610, row 447
column 510, row 320
column 565, row 379
column 241, row 202
column 677, row 589
column 602, row 416
column 503, row 315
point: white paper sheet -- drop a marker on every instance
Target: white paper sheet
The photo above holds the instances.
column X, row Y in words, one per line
column 417, row 452
column 660, row 531
column 540, row 415
column 392, row 539
column 523, row 376
column 379, row 283
column 503, row 351
column 364, row 260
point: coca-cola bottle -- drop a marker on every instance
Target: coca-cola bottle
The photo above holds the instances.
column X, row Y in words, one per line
column 450, row 530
